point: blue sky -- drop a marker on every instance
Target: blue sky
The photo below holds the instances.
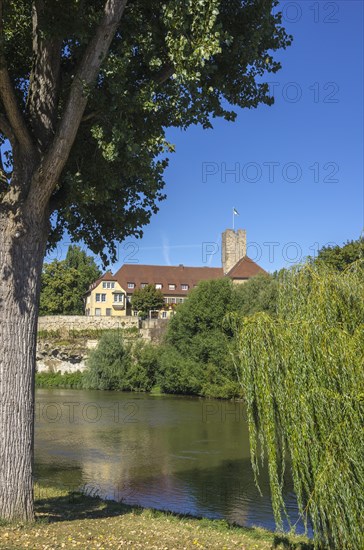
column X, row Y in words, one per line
column 299, row 163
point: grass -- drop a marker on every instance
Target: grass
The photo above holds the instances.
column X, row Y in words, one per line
column 68, row 520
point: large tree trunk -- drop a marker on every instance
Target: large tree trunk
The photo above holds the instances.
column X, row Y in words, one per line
column 22, row 247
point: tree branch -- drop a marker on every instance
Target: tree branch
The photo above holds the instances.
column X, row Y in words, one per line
column 89, row 116
column 44, row 79
column 6, row 129
column 7, row 94
column 164, row 74
column 55, row 159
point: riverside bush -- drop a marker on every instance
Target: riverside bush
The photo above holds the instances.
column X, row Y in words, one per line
column 108, row 364
column 178, row 374
column 303, row 380
column 115, row 365
column 72, row 380
column 196, row 359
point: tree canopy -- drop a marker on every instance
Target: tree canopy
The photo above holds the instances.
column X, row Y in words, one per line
column 65, row 282
column 340, row 257
column 199, row 339
column 257, row 294
column 146, row 299
column 169, row 64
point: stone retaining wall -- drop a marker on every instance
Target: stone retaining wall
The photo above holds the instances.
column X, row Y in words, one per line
column 55, row 355
column 68, row 323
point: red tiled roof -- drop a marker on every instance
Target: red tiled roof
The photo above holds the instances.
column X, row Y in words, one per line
column 176, row 275
column 244, row 269
column 165, row 275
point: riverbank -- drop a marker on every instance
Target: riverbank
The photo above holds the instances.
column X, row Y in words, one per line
column 70, row 520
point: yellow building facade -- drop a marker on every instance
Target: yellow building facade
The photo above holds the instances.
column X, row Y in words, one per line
column 106, row 297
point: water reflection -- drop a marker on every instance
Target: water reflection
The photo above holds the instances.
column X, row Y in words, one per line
column 181, row 454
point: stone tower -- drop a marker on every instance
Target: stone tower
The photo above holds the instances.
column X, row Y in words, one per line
column 233, row 248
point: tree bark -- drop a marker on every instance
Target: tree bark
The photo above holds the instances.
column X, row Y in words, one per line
column 40, row 152
column 22, row 248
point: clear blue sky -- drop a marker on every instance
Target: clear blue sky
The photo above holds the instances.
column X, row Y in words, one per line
column 313, row 133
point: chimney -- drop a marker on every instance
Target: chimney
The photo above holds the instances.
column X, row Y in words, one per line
column 233, row 248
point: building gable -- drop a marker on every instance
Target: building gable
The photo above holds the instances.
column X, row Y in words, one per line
column 245, row 269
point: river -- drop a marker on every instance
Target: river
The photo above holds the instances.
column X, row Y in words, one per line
column 183, row 454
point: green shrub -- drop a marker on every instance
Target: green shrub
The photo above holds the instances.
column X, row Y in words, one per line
column 201, row 362
column 72, row 380
column 178, row 374
column 146, row 359
column 115, row 365
column 108, row 364
column 220, row 383
column 257, row 294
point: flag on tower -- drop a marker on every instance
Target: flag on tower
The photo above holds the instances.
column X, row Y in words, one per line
column 235, row 213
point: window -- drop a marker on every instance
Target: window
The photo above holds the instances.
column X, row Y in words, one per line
column 131, row 285
column 135, row 314
column 112, row 285
column 164, row 314
column 98, row 297
column 118, row 298
column 103, row 297
column 158, row 286
column 108, row 284
column 172, row 300
column 172, row 287
column 143, row 285
column 184, row 287
column 97, row 311
column 108, row 311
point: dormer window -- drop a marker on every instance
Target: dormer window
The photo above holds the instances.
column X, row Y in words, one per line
column 158, row 286
column 184, row 287
column 131, row 285
column 143, row 285
column 172, row 287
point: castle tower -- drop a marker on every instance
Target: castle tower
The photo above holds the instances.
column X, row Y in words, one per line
column 233, row 248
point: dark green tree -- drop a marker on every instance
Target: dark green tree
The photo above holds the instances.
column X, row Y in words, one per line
column 257, row 294
column 64, row 283
column 87, row 90
column 203, row 311
column 340, row 257
column 196, row 334
column 146, row 299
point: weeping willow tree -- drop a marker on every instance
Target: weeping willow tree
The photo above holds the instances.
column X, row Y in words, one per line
column 303, row 379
